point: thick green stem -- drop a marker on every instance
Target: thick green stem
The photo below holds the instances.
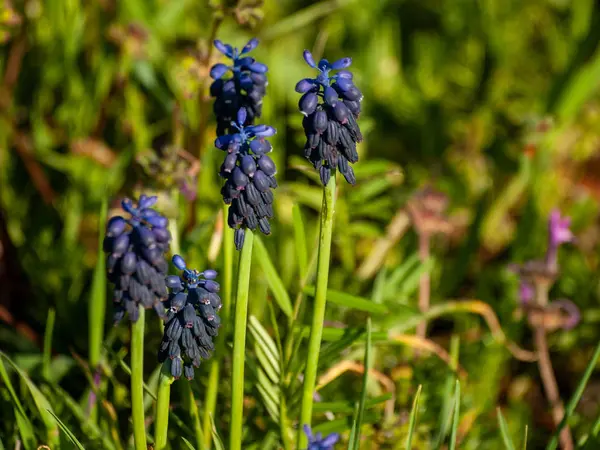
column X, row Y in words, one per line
column 213, row 379
column 137, row 381
column 239, row 343
column 163, row 396
column 316, row 330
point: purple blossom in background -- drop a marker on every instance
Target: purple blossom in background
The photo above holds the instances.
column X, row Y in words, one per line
column 559, row 232
column 526, row 293
column 318, row 442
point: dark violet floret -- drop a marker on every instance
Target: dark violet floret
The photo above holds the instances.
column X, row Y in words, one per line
column 239, row 85
column 249, row 177
column 331, row 104
column 135, row 261
column 192, row 320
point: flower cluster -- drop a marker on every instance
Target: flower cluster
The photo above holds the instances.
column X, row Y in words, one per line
column 136, row 258
column 330, row 125
column 249, row 175
column 244, row 89
column 538, row 274
column 192, row 319
column 318, row 442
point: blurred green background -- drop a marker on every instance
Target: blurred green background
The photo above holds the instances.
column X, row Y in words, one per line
column 493, row 102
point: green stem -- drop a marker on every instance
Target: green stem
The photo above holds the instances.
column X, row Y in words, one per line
column 316, row 330
column 97, row 304
column 239, row 343
column 162, row 408
column 213, row 380
column 137, row 381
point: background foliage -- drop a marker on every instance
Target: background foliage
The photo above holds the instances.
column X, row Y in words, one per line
column 495, row 103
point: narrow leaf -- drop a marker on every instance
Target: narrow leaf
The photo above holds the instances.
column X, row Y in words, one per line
column 453, row 434
column 275, row 284
column 300, row 240
column 575, row 398
column 349, row 301
column 68, row 432
column 413, row 419
column 508, row 444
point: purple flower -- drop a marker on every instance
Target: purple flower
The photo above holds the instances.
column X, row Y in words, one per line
column 318, row 442
column 526, row 292
column 558, row 228
column 558, row 233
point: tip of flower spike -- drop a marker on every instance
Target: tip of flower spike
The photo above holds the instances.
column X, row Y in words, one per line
column 179, row 262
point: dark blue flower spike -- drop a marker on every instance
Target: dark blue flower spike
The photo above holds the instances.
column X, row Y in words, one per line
column 240, row 85
column 136, row 264
column 331, row 106
column 192, row 319
column 318, row 442
column 249, row 177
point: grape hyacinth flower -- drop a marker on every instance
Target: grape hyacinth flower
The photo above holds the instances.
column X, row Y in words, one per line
column 331, row 106
column 136, row 264
column 244, row 89
column 249, row 175
column 318, row 442
column 192, row 319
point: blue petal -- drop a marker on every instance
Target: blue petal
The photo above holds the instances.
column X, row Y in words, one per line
column 178, row 262
column 226, row 49
column 147, row 202
column 241, row 116
column 330, row 440
column 324, row 64
column 309, row 59
column 218, row 70
column 305, row 85
column 344, row 83
column 251, row 45
column 258, row 67
column 269, row 131
column 223, row 141
column 341, row 63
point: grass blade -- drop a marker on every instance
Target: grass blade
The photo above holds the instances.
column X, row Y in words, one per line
column 300, row 240
column 41, row 403
column 215, row 434
column 23, row 423
column 275, row 284
column 363, row 395
column 47, row 357
column 575, row 398
column 456, row 416
column 413, row 419
column 508, row 444
column 187, row 444
column 525, row 438
column 68, row 432
column 349, row 301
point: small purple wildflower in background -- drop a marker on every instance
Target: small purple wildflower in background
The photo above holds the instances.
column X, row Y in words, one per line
column 249, row 176
column 136, row 264
column 244, row 89
column 526, row 293
column 331, row 106
column 192, row 319
column 559, row 232
column 318, row 442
